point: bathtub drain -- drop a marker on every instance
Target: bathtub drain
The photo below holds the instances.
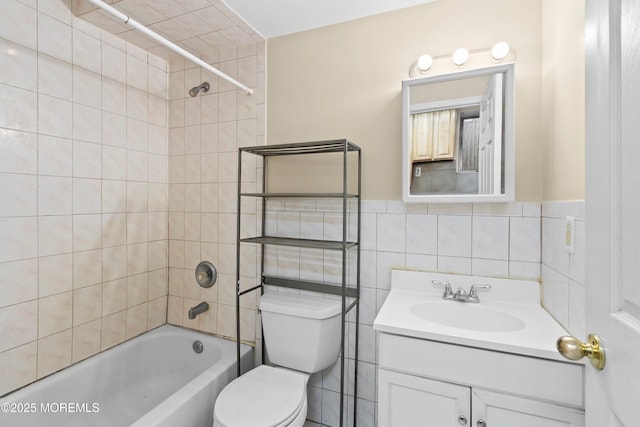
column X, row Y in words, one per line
column 198, row 346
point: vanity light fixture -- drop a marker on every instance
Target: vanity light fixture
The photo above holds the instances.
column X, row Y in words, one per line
column 498, row 53
column 425, row 62
column 460, row 56
column 421, row 66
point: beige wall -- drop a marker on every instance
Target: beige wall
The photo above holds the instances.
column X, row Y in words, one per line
column 345, row 81
column 563, row 106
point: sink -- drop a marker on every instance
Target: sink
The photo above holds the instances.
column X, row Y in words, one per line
column 508, row 319
column 466, row 316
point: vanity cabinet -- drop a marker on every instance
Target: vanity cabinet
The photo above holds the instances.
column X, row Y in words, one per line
column 433, row 135
column 429, row 383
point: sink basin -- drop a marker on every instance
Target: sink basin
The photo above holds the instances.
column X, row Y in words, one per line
column 466, row 316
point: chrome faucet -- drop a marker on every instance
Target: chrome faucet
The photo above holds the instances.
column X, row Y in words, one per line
column 198, row 309
column 461, row 295
column 473, row 292
column 448, row 292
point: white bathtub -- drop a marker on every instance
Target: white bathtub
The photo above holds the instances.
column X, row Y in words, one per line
column 156, row 379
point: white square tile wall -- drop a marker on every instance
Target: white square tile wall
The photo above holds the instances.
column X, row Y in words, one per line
column 204, row 136
column 493, row 240
column 83, row 223
column 563, row 274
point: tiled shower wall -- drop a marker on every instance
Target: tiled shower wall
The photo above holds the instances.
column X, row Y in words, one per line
column 204, row 136
column 481, row 239
column 83, row 179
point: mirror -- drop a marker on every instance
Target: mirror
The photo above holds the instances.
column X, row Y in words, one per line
column 458, row 137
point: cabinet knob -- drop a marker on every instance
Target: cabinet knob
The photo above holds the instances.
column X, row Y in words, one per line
column 462, row 420
column 481, row 423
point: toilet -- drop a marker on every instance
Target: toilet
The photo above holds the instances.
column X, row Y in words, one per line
column 302, row 336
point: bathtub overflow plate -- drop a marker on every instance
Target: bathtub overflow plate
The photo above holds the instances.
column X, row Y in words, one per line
column 198, row 346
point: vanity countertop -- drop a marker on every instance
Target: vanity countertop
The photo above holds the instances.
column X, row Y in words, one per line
column 510, row 317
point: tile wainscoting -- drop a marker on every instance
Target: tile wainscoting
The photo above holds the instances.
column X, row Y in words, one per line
column 481, row 239
column 563, row 274
column 518, row 240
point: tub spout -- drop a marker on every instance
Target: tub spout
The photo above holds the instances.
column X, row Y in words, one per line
column 198, row 309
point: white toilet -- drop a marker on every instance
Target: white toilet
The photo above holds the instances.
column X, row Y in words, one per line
column 302, row 336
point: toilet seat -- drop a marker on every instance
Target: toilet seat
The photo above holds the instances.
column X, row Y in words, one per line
column 263, row 397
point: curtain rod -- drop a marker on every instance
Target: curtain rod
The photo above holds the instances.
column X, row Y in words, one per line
column 157, row 37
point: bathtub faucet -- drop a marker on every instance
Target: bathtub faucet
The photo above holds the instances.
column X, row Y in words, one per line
column 198, row 309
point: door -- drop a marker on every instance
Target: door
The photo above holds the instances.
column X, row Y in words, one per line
column 492, row 409
column 490, row 144
column 613, row 209
column 410, row 401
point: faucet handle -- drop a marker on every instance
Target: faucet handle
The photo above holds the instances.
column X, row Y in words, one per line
column 473, row 291
column 448, row 292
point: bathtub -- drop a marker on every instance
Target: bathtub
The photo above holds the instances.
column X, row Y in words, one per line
column 156, row 379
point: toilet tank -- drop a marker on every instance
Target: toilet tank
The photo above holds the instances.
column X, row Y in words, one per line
column 301, row 332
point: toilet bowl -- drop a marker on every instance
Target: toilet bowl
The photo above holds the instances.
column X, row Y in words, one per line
column 265, row 396
column 302, row 336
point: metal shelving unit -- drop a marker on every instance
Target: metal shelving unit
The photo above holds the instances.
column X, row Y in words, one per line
column 346, row 149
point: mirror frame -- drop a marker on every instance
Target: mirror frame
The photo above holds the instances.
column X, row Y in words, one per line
column 508, row 138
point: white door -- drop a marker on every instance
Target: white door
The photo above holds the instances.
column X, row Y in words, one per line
column 490, row 142
column 613, row 209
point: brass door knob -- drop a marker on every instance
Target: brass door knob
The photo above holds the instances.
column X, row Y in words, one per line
column 574, row 349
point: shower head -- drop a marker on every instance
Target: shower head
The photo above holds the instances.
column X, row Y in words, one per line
column 196, row 90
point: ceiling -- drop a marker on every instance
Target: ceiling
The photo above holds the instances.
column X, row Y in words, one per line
column 202, row 25
column 272, row 18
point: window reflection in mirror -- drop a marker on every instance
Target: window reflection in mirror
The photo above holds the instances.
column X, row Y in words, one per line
column 458, row 136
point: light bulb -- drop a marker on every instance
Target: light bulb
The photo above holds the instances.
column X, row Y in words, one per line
column 499, row 51
column 425, row 62
column 460, row 56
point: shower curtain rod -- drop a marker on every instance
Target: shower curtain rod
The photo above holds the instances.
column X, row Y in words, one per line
column 174, row 47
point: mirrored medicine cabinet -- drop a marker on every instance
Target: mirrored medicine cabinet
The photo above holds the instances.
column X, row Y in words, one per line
column 458, row 137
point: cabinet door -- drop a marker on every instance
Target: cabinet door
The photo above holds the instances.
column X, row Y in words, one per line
column 409, row 401
column 422, row 137
column 433, row 135
column 492, row 409
column 444, row 139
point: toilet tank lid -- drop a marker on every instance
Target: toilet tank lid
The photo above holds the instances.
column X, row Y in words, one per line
column 308, row 306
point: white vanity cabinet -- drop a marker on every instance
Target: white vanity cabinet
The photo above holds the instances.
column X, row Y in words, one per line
column 429, row 383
